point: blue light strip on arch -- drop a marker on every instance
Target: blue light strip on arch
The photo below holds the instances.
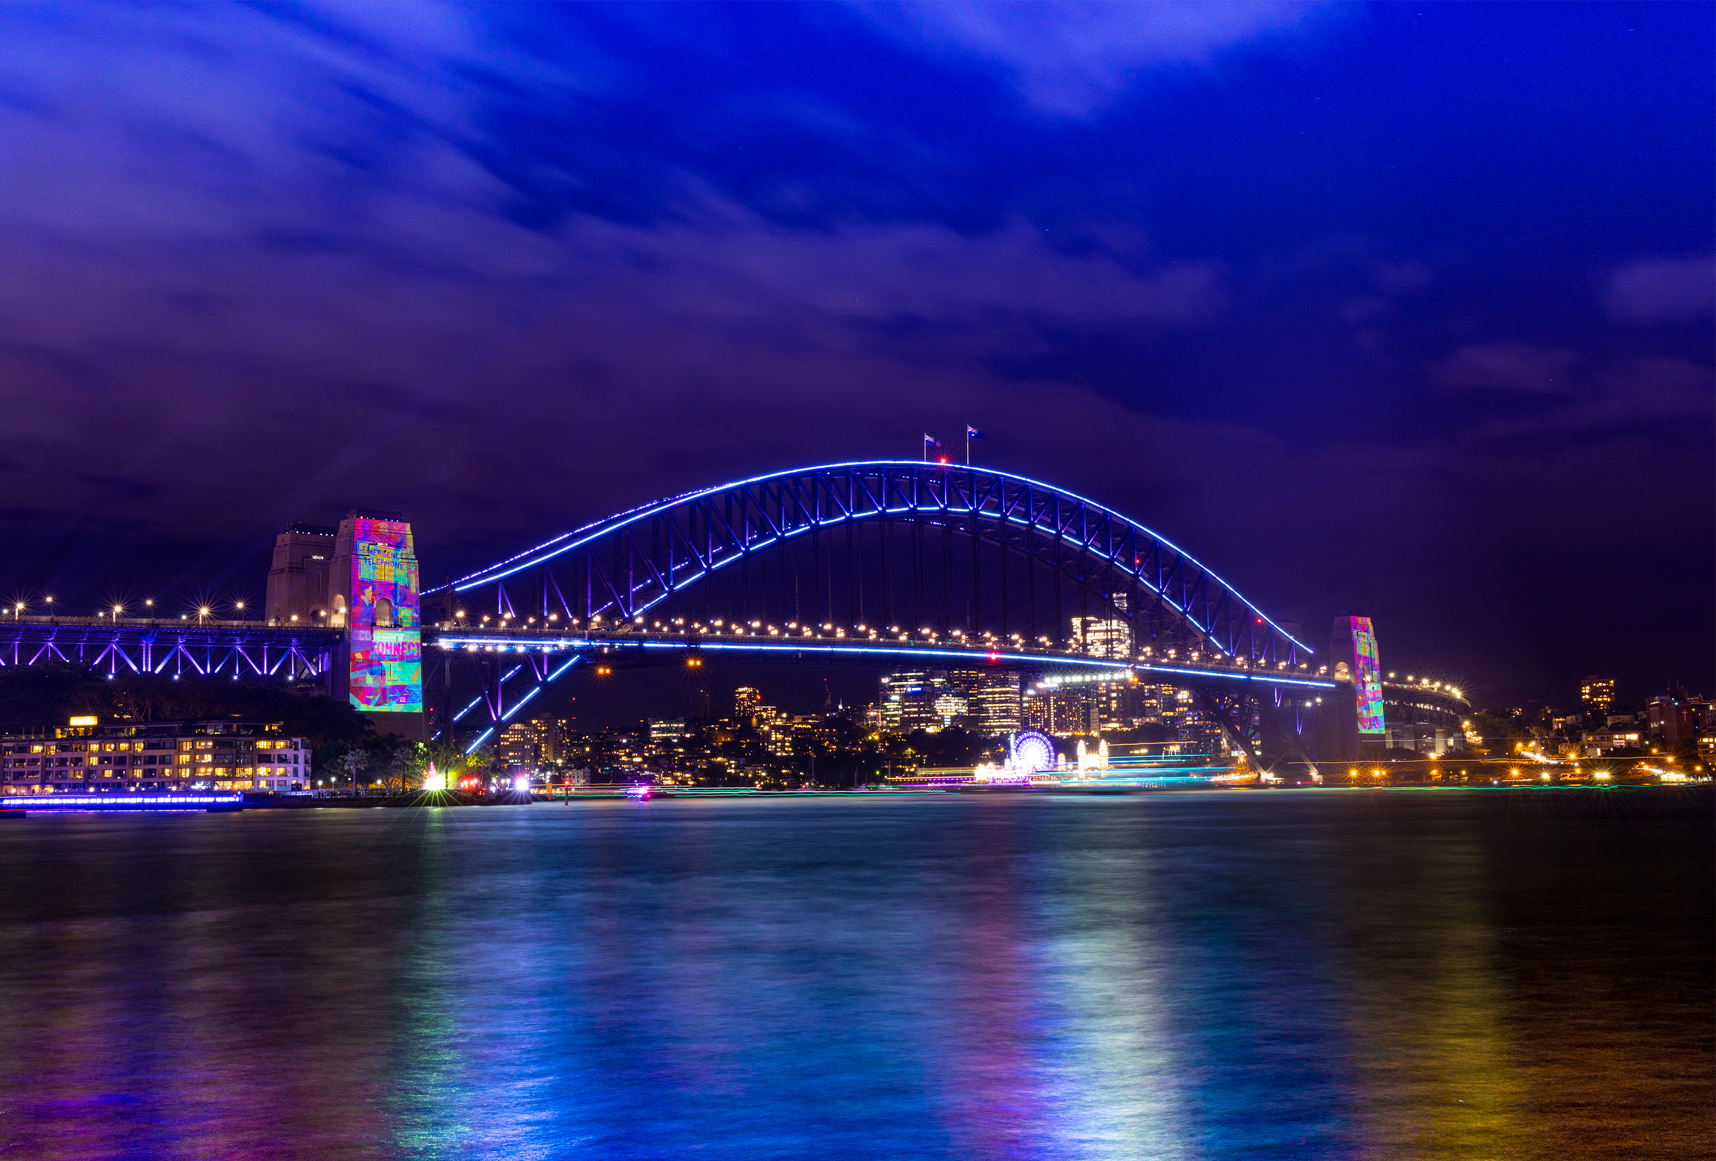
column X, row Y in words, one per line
column 594, row 531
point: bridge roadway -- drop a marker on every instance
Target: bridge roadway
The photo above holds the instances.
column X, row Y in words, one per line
column 807, row 644
column 175, row 645
column 541, row 651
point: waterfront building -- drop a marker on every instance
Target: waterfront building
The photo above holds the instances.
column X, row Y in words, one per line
column 204, row 754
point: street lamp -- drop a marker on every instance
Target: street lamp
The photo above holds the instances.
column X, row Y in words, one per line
column 201, row 613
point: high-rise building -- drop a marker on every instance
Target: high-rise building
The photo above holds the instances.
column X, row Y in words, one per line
column 1147, row 701
column 1060, row 711
column 298, row 577
column 522, row 745
column 556, row 734
column 1104, row 636
column 909, row 700
column 994, row 700
column 951, row 707
column 745, row 703
column 1598, row 693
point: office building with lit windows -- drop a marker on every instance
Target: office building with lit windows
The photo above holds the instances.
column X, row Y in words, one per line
column 1109, row 637
column 120, row 757
column 1598, row 694
column 996, row 701
column 918, row 699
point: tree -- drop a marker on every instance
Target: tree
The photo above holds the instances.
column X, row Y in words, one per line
column 449, row 760
column 1499, row 730
column 350, row 766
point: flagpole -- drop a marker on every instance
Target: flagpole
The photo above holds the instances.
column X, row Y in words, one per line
column 968, row 445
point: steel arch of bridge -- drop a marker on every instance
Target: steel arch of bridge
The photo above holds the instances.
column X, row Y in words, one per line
column 592, row 590
column 634, row 562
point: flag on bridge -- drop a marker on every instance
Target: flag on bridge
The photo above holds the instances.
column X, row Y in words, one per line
column 971, row 433
column 932, row 446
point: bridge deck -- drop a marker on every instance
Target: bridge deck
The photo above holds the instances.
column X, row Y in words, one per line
column 872, row 647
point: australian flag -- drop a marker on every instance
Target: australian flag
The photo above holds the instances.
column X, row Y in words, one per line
column 972, row 432
column 932, row 445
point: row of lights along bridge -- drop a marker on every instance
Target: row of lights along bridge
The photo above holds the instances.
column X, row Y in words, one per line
column 793, row 630
column 117, row 612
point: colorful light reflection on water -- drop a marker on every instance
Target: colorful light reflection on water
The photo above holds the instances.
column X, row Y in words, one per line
column 1199, row 975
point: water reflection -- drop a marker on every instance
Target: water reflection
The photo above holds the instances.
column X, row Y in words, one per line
column 1176, row 977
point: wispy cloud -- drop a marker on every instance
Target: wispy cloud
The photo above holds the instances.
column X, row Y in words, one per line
column 1071, row 59
column 1663, row 290
column 1508, row 366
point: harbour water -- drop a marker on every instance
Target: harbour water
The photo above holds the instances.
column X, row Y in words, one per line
column 1442, row 974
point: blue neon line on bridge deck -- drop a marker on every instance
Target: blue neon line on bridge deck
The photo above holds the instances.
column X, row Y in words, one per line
column 1118, row 667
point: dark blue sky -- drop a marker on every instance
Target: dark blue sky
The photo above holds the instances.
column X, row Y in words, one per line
column 1404, row 307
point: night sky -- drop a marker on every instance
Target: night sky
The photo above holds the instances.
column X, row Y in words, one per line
column 1402, row 308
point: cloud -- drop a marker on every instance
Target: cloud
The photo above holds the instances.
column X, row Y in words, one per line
column 271, row 261
column 1507, row 366
column 1070, row 59
column 311, row 290
column 1663, row 290
column 1396, row 278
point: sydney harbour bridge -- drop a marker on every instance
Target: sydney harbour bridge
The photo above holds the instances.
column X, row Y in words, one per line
column 899, row 563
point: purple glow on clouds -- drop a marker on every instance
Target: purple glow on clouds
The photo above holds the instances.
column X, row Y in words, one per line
column 1259, row 276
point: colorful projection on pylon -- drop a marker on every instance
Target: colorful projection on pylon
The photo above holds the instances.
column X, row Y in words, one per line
column 383, row 627
column 1367, row 677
